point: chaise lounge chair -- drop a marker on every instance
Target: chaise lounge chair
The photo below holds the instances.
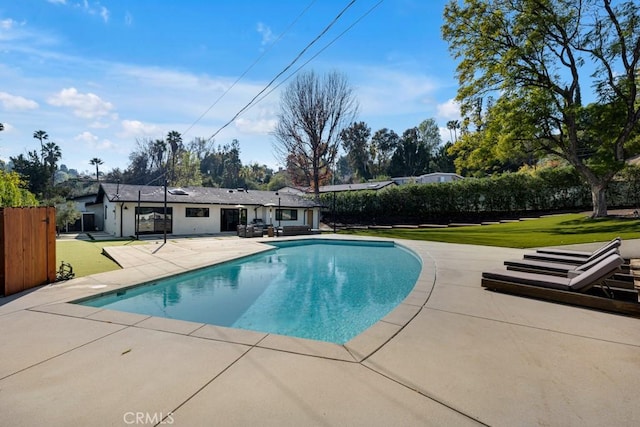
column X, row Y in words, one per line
column 583, row 254
column 572, row 257
column 555, row 268
column 588, row 288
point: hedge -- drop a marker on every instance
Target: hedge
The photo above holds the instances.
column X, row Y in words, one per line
column 473, row 199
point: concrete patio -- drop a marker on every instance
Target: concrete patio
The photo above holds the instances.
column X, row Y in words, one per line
column 451, row 354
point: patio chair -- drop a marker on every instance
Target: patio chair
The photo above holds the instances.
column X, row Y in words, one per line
column 556, row 268
column 583, row 254
column 588, row 288
column 572, row 257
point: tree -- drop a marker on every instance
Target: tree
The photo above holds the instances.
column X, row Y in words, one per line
column 313, row 112
column 175, row 142
column 383, row 144
column 411, row 157
column 355, row 141
column 66, row 213
column 536, row 56
column 12, row 191
column 32, row 171
column 96, row 162
column 187, row 171
column 430, row 140
column 41, row 136
column 51, row 154
column 453, row 126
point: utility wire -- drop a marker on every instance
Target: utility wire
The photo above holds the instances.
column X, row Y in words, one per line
column 250, row 67
column 318, row 53
column 322, row 33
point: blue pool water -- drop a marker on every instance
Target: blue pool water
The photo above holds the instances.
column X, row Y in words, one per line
column 319, row 289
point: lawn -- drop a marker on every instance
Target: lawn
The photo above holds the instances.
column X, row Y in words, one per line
column 86, row 256
column 553, row 230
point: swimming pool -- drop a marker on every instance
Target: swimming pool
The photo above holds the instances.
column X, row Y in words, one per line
column 327, row 290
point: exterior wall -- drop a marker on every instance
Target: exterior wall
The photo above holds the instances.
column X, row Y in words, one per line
column 181, row 225
column 110, row 224
column 436, row 178
column 98, row 211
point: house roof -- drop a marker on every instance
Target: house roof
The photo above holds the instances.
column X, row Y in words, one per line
column 426, row 175
column 200, row 195
column 356, row 187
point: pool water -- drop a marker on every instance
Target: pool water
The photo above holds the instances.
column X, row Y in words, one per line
column 326, row 290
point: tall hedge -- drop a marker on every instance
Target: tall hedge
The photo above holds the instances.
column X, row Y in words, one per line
column 473, row 199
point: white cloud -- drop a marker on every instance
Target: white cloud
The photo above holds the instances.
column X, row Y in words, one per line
column 7, row 24
column 266, row 33
column 13, row 102
column 449, row 110
column 136, row 129
column 92, row 141
column 104, row 13
column 57, row 1
column 259, row 126
column 128, row 19
column 86, row 106
column 86, row 137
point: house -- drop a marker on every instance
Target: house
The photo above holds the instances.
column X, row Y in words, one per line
column 339, row 187
column 127, row 210
column 86, row 222
column 356, row 187
column 429, row 178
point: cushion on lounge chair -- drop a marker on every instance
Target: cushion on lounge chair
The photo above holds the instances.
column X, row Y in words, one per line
column 614, row 243
column 555, row 268
column 580, row 283
column 592, row 276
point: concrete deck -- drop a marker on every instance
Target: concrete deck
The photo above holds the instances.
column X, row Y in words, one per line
column 451, row 354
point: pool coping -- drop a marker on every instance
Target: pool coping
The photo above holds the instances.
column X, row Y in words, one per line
column 356, row 350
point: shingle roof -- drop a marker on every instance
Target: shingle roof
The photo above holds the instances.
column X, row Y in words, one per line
column 356, row 187
column 200, row 195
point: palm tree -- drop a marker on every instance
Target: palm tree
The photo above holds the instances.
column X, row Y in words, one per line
column 51, row 153
column 97, row 162
column 42, row 136
column 157, row 152
column 175, row 141
column 453, row 125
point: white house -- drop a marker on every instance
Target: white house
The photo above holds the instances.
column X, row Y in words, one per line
column 126, row 210
column 429, row 178
column 338, row 188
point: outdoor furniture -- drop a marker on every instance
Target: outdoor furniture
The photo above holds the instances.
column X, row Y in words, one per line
column 249, row 231
column 588, row 288
column 583, row 254
column 555, row 268
column 572, row 257
column 293, row 230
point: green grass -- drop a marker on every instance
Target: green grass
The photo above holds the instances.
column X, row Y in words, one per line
column 548, row 231
column 86, row 256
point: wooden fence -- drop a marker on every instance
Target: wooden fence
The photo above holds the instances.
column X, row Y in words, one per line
column 27, row 248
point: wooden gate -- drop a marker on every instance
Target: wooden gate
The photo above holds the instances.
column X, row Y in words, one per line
column 27, row 248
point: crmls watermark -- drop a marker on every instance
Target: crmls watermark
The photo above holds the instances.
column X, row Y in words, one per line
column 142, row 418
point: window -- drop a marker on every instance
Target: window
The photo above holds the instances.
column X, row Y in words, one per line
column 286, row 214
column 151, row 220
column 197, row 213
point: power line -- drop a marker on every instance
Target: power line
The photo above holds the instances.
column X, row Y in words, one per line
column 318, row 53
column 322, row 33
column 250, row 67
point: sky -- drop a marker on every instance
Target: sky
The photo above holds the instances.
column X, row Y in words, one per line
column 99, row 76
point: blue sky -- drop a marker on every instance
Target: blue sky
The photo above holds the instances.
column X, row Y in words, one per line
column 97, row 76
